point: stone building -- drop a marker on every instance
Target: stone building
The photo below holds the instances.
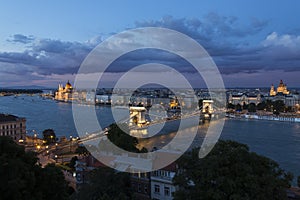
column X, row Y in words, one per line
column 244, row 99
column 65, row 93
column 162, row 187
column 13, row 126
column 281, row 89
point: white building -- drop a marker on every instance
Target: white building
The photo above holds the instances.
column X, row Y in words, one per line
column 91, row 97
column 242, row 98
column 13, row 126
column 103, row 99
column 162, row 187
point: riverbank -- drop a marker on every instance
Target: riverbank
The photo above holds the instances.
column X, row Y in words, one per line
column 265, row 116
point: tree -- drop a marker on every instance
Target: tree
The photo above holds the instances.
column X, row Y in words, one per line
column 49, row 136
column 73, row 162
column 81, row 150
column 230, row 171
column 102, row 185
column 123, row 140
column 261, row 106
column 269, row 105
column 252, row 107
column 288, row 109
column 245, row 106
column 22, row 178
column 238, row 107
column 230, row 106
column 278, row 106
column 51, row 183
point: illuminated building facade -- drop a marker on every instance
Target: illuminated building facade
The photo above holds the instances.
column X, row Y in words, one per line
column 64, row 93
column 13, row 126
column 244, row 99
column 281, row 89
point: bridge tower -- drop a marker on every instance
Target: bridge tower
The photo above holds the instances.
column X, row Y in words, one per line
column 137, row 115
column 207, row 108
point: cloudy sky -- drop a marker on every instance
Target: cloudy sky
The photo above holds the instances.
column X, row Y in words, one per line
column 253, row 43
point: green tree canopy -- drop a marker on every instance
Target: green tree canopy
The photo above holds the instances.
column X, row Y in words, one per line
column 105, row 183
column 49, row 136
column 252, row 107
column 262, row 106
column 230, row 171
column 278, row 106
column 123, row 140
column 238, row 107
column 230, row 106
column 22, row 178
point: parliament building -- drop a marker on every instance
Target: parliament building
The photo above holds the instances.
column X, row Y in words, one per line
column 64, row 93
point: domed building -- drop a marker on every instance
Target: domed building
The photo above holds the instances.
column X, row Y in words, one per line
column 64, row 93
column 68, row 86
column 281, row 89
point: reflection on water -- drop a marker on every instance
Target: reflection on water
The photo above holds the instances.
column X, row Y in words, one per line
column 277, row 140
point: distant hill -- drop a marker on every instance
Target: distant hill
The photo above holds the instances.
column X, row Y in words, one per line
column 26, row 87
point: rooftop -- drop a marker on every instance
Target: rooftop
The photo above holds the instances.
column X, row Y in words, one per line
column 8, row 118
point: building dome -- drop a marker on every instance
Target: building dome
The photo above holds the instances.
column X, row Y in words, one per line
column 68, row 85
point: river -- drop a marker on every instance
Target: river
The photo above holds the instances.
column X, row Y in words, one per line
column 279, row 141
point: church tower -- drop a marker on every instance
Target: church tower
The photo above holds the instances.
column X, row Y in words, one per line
column 272, row 91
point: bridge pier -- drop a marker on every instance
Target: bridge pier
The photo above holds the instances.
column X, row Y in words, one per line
column 207, row 109
column 137, row 116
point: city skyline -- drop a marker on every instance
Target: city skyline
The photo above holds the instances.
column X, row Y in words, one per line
column 252, row 44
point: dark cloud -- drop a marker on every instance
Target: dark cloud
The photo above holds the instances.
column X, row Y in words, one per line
column 229, row 43
column 19, row 38
column 233, row 46
column 46, row 57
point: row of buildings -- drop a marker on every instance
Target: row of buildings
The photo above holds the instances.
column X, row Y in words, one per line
column 156, row 185
column 167, row 99
column 147, row 98
column 256, row 97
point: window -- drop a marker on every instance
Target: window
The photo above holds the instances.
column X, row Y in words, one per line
column 156, row 189
column 139, row 187
column 146, row 189
column 167, row 191
column 133, row 185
